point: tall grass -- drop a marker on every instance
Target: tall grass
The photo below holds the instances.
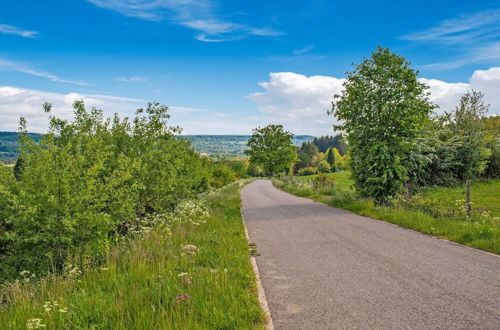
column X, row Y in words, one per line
column 194, row 275
column 422, row 214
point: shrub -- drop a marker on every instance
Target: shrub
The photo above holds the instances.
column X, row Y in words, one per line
column 324, row 167
column 307, row 171
column 86, row 182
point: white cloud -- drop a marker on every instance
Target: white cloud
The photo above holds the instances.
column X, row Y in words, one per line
column 301, row 102
column 9, row 29
column 15, row 66
column 296, row 100
column 198, row 15
column 132, row 79
column 18, row 102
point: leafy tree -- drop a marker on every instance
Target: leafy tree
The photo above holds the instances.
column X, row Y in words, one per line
column 492, row 132
column 456, row 145
column 383, row 108
column 324, row 167
column 330, row 157
column 272, row 147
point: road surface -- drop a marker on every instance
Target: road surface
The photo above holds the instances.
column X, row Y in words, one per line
column 327, row 268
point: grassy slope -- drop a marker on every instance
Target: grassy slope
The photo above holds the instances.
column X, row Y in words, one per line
column 485, row 236
column 137, row 288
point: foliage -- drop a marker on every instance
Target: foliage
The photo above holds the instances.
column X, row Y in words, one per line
column 383, row 108
column 326, row 142
column 492, row 136
column 255, row 170
column 272, row 148
column 330, row 157
column 455, row 146
column 189, row 275
column 324, row 167
column 86, row 182
column 307, row 171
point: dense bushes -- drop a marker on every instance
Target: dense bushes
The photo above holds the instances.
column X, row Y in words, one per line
column 87, row 181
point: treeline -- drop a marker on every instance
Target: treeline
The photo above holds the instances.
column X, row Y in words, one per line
column 88, row 183
column 322, row 155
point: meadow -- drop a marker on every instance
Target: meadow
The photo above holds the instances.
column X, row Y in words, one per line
column 195, row 274
column 437, row 211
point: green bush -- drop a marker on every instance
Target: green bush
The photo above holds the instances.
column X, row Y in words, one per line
column 307, row 171
column 87, row 181
column 324, row 167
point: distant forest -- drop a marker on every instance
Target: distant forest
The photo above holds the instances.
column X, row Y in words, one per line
column 231, row 145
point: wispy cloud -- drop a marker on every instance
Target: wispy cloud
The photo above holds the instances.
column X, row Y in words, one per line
column 304, row 50
column 474, row 37
column 481, row 26
column 10, row 29
column 15, row 66
column 132, row 79
column 198, row 15
column 489, row 53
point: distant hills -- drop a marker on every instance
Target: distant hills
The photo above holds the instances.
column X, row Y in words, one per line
column 231, row 145
column 8, row 146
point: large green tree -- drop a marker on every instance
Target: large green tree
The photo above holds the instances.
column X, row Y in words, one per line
column 272, row 148
column 382, row 109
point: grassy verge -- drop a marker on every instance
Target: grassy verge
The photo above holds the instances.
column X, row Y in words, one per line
column 190, row 276
column 482, row 232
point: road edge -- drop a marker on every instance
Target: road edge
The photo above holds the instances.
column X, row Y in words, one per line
column 393, row 224
column 260, row 288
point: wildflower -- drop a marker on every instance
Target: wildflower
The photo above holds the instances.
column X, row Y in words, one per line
column 35, row 324
column 182, row 274
column 182, row 297
column 63, row 310
column 104, row 268
column 212, row 270
column 50, row 305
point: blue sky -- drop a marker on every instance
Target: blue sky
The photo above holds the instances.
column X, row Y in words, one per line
column 229, row 66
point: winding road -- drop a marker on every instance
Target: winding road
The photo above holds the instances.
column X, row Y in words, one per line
column 327, row 268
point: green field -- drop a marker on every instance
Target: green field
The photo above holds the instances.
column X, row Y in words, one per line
column 436, row 211
column 154, row 282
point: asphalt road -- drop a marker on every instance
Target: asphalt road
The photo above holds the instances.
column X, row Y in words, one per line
column 327, row 268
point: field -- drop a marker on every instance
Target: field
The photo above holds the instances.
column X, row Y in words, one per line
column 437, row 211
column 196, row 277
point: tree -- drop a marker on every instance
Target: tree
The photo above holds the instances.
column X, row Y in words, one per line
column 383, row 108
column 330, row 157
column 272, row 147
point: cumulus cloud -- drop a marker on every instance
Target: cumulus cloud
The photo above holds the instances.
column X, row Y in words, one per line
column 302, row 102
column 18, row 102
column 9, row 29
column 198, row 15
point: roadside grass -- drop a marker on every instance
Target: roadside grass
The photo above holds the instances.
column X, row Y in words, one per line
column 427, row 213
column 192, row 277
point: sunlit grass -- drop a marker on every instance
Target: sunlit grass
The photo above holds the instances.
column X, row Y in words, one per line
column 199, row 277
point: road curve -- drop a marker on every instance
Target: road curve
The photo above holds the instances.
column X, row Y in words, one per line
column 327, row 268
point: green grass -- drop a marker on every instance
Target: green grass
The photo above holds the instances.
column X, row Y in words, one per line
column 343, row 177
column 139, row 286
column 485, row 195
column 477, row 232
